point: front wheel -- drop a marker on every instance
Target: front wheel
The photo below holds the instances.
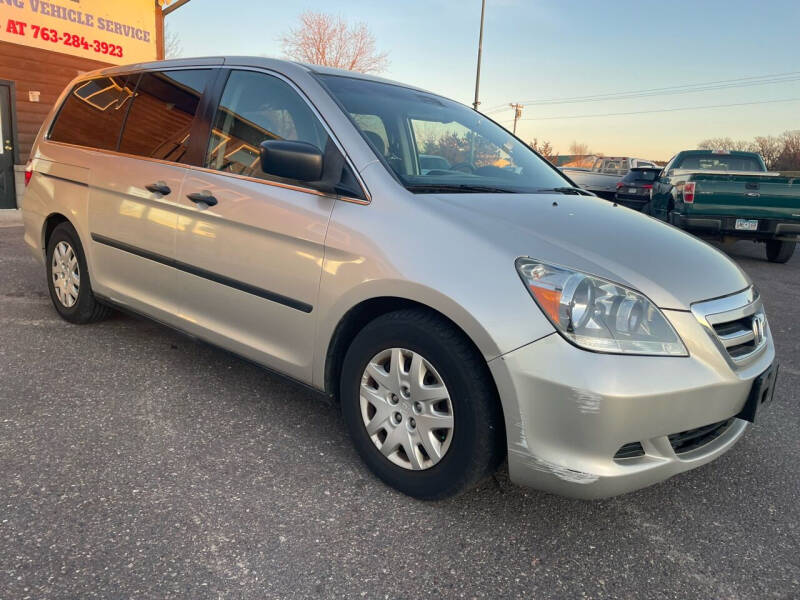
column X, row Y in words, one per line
column 780, row 252
column 420, row 406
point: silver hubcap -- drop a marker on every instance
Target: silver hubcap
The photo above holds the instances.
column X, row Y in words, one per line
column 406, row 409
column 66, row 274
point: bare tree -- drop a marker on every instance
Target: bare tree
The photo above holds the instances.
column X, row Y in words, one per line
column 324, row 39
column 579, row 149
column 789, row 159
column 781, row 153
column 727, row 144
column 544, row 148
column 770, row 148
column 172, row 44
column 719, row 143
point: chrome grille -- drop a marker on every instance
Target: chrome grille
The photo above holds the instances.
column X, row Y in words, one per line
column 736, row 324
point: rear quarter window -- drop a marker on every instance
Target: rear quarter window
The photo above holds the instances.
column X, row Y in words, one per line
column 94, row 111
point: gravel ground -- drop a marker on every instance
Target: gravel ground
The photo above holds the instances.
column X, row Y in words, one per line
column 137, row 463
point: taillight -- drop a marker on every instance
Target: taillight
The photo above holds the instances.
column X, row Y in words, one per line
column 28, row 173
column 688, row 192
column 619, row 184
column 648, row 186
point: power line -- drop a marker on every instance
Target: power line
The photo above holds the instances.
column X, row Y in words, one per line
column 757, row 80
column 674, row 92
column 669, row 90
column 686, row 85
column 642, row 112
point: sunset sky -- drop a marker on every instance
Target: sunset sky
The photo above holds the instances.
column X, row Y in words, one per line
column 548, row 50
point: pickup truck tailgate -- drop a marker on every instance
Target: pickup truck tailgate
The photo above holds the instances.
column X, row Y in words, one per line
column 745, row 195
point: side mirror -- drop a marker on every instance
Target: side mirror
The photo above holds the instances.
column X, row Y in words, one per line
column 300, row 161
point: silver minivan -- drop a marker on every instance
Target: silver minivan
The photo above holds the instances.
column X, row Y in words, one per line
column 467, row 307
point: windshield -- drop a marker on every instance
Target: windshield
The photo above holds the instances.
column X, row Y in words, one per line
column 436, row 145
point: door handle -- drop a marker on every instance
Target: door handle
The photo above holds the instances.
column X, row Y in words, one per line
column 205, row 197
column 158, row 188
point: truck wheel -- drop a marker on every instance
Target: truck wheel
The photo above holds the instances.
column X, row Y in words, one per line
column 780, row 252
column 68, row 278
column 420, row 405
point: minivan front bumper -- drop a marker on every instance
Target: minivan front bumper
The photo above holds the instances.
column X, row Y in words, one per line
column 569, row 411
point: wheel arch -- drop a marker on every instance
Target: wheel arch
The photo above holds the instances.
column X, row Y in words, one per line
column 368, row 309
column 52, row 221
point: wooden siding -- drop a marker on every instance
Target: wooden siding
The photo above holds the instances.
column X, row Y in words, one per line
column 47, row 72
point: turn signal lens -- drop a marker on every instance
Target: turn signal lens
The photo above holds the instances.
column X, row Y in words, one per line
column 597, row 314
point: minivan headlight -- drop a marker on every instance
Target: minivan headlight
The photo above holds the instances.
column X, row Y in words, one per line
column 599, row 315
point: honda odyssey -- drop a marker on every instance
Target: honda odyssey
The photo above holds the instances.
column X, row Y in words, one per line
column 461, row 299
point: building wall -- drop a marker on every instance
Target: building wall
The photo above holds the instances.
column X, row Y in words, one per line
column 19, row 183
column 44, row 71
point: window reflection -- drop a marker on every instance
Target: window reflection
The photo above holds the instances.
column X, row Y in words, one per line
column 254, row 108
column 160, row 119
column 93, row 113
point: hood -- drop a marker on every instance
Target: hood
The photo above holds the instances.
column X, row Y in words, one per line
column 672, row 268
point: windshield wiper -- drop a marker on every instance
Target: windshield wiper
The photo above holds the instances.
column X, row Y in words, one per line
column 575, row 191
column 464, row 188
column 566, row 190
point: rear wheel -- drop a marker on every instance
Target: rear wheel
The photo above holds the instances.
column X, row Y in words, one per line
column 419, row 404
column 68, row 278
column 780, row 252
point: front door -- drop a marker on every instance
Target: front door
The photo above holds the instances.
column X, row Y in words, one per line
column 7, row 190
column 252, row 256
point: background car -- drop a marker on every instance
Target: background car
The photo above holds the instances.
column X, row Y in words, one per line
column 634, row 189
column 603, row 176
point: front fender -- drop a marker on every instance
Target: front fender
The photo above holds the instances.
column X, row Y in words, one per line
column 330, row 317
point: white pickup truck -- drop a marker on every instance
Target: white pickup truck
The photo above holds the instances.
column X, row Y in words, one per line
column 602, row 177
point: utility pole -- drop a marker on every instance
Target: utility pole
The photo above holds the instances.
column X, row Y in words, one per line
column 480, row 51
column 517, row 114
column 169, row 6
column 163, row 8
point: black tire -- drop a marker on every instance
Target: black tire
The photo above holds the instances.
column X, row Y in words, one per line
column 86, row 308
column 478, row 436
column 780, row 252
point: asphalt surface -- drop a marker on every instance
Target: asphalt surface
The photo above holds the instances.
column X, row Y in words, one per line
column 136, row 463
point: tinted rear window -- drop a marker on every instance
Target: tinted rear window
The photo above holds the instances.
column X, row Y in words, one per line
column 641, row 175
column 719, row 162
column 93, row 112
column 162, row 113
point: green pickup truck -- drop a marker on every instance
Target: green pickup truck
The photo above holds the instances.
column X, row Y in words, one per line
column 728, row 196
